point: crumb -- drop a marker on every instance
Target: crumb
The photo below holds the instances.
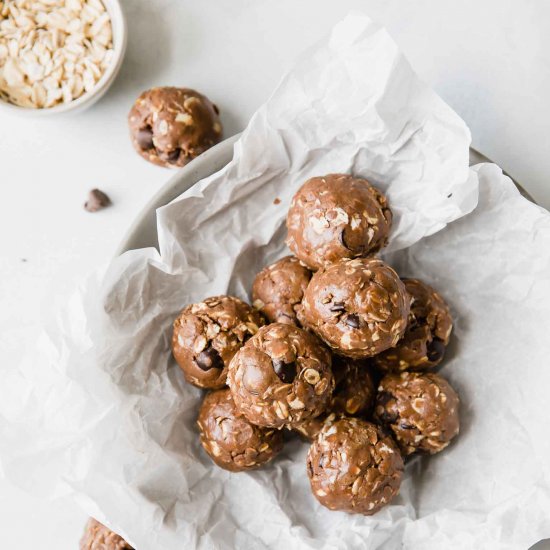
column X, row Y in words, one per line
column 277, row 200
column 449, row 195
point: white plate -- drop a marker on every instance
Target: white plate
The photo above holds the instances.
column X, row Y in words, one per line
column 143, row 231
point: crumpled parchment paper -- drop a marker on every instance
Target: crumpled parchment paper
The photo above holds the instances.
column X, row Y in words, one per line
column 101, row 413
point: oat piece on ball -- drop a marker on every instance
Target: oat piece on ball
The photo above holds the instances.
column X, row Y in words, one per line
column 353, row 395
column 354, row 467
column 358, row 307
column 207, row 335
column 98, row 537
column 427, row 335
column 337, row 216
column 279, row 288
column 281, row 376
column 420, row 409
column 171, row 126
column 230, row 439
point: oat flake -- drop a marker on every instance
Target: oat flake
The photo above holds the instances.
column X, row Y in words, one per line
column 52, row 51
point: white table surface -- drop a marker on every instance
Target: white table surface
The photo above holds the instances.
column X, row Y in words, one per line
column 489, row 60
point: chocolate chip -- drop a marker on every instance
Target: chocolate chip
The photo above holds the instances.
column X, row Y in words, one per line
column 405, row 426
column 388, row 417
column 353, row 321
column 338, row 306
column 96, row 201
column 343, row 239
column 209, row 359
column 174, row 155
column 436, row 350
column 285, row 371
column 385, row 414
column 144, row 138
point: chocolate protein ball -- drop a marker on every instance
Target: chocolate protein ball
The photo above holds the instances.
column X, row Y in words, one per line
column 230, row 439
column 97, row 537
column 354, row 467
column 208, row 334
column 420, row 409
column 337, row 216
column 427, row 335
column 281, row 376
column 358, row 307
column 353, row 395
column 279, row 288
column 171, row 126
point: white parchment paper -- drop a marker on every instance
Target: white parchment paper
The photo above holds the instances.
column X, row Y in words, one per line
column 101, row 413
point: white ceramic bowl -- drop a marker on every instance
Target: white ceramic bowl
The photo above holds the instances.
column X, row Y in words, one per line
column 120, row 38
column 143, row 231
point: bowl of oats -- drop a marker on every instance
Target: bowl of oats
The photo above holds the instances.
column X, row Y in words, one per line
column 58, row 56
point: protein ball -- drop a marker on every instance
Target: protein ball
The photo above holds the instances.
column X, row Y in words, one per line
column 207, row 335
column 98, row 537
column 427, row 334
column 279, row 288
column 354, row 467
column 354, row 394
column 337, row 216
column 171, row 126
column 420, row 409
column 230, row 439
column 281, row 376
column 358, row 307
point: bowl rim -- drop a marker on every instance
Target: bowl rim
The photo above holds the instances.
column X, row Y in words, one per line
column 142, row 232
column 120, row 41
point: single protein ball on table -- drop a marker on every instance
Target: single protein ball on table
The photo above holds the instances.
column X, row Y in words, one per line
column 171, row 126
column 427, row 335
column 354, row 467
column 230, row 439
column 337, row 216
column 420, row 409
column 207, row 335
column 353, row 395
column 358, row 307
column 281, row 376
column 98, row 537
column 279, row 288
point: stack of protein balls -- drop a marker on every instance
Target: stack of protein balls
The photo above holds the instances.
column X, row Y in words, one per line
column 336, row 348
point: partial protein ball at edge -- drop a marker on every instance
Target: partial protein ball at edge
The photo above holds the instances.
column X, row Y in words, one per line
column 98, row 536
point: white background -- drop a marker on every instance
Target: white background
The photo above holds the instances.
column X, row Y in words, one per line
column 489, row 60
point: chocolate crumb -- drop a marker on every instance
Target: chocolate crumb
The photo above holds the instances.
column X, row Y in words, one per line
column 277, row 200
column 96, row 201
